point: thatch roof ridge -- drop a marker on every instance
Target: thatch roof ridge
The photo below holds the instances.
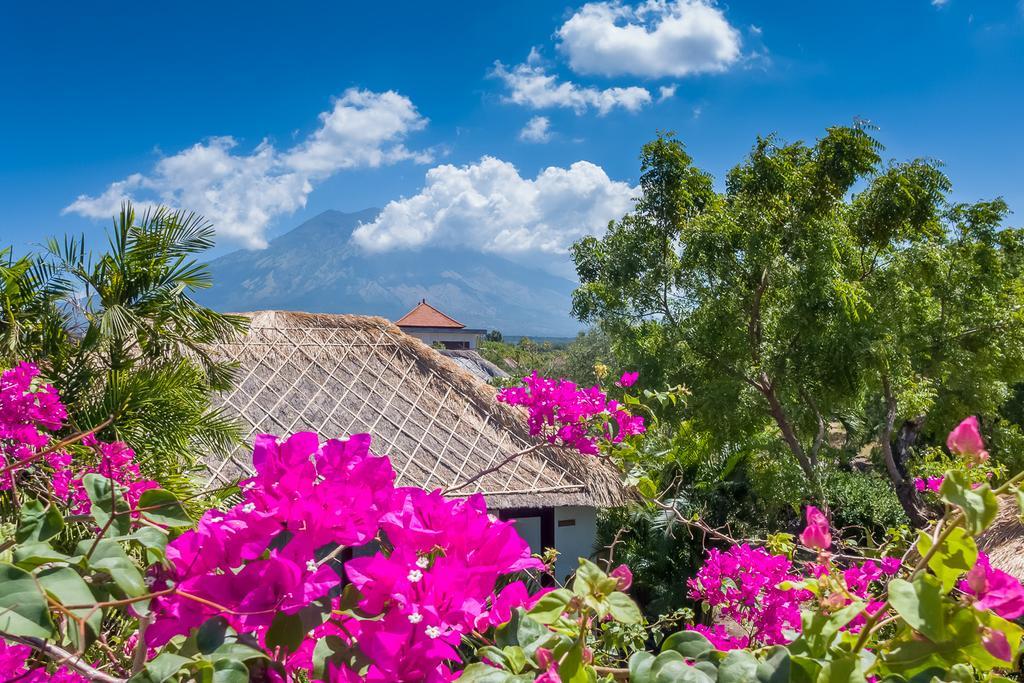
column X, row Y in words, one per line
column 571, row 479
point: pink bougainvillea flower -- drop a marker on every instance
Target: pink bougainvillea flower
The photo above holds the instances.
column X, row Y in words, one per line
column 994, row 589
column 624, row 575
column 567, row 415
column 548, row 666
column 745, row 585
column 995, row 642
column 816, row 534
column 628, row 379
column 966, row 440
column 891, row 565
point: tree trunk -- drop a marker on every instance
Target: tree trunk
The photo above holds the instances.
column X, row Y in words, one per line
column 895, row 457
column 907, row 493
column 792, row 440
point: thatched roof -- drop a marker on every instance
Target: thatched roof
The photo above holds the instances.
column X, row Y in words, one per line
column 346, row 374
column 474, row 363
column 1003, row 542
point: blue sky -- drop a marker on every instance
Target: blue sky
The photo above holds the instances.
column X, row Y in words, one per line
column 507, row 127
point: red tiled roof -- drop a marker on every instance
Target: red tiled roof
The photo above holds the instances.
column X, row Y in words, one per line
column 425, row 315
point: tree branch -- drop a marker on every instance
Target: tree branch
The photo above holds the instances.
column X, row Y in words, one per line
column 59, row 654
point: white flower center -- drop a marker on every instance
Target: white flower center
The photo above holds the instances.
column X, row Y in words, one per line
column 415, row 617
column 248, row 507
column 415, row 575
column 433, row 632
column 311, row 565
column 422, row 563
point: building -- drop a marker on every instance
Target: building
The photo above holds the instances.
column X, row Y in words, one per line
column 440, row 425
column 434, row 328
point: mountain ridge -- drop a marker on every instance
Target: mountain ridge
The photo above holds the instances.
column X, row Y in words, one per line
column 315, row 267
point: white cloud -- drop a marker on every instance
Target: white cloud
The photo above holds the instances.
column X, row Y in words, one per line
column 489, row 207
column 530, row 85
column 241, row 193
column 940, row 3
column 666, row 92
column 537, row 129
column 655, row 39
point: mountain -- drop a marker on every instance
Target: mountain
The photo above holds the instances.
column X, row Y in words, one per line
column 316, row 268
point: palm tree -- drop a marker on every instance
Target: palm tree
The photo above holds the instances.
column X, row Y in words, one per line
column 121, row 336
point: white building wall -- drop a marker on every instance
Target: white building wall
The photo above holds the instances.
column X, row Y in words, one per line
column 575, row 541
column 429, row 338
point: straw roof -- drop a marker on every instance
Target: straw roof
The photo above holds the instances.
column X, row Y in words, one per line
column 347, row 374
column 473, row 362
column 1003, row 542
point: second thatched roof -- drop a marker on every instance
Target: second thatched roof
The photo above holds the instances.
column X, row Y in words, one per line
column 441, row 426
column 1003, row 542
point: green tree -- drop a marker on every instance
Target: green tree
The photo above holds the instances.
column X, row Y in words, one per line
column 120, row 333
column 821, row 286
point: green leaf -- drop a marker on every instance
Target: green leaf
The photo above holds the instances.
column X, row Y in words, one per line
column 110, row 557
column 623, row 609
column 689, row 644
column 31, row 555
column 640, row 667
column 820, row 630
column 286, row 631
column 23, row 607
column 478, row 672
column 515, row 657
column 979, row 505
column 161, row 668
column 921, row 605
column 107, row 501
column 167, row 511
column 739, row 666
column 910, row 654
column 67, row 587
column 211, row 634
column 233, row 649
column 672, row 667
column 776, row 666
column 230, row 671
column 550, row 607
column 571, row 669
column 955, row 556
column 38, row 522
column 527, row 633
column 337, row 651
column 590, row 580
column 843, row 669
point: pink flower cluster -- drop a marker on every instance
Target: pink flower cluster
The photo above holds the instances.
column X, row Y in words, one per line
column 27, row 414
column 14, row 667
column 744, row 584
column 931, row 484
column 570, row 416
column 993, row 589
column 268, row 554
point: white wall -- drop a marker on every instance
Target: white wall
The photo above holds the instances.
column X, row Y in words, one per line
column 574, row 542
column 429, row 338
